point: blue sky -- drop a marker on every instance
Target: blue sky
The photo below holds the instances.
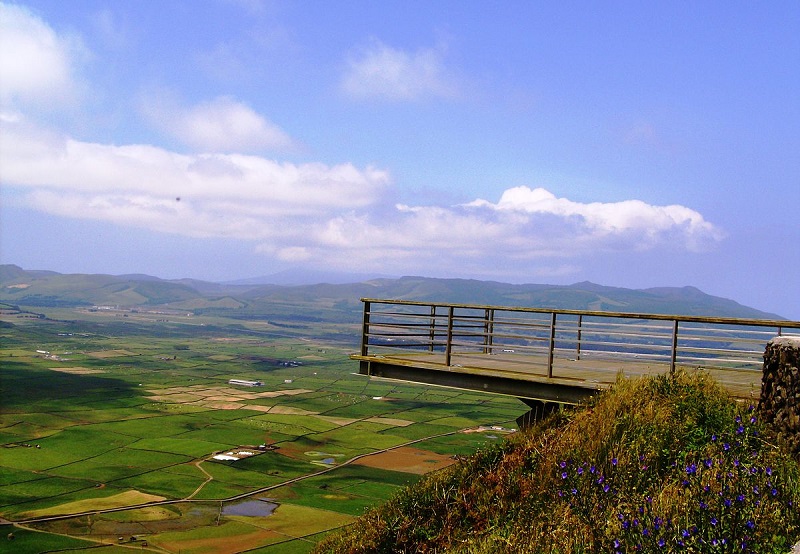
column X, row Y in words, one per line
column 630, row 144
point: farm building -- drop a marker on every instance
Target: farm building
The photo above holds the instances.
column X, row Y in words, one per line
column 245, row 383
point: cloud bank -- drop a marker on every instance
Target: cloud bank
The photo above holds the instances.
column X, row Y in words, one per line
column 322, row 213
column 334, row 216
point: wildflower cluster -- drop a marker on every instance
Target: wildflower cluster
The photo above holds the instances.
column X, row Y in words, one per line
column 723, row 498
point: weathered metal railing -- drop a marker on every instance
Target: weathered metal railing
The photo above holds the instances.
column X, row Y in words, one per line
column 465, row 333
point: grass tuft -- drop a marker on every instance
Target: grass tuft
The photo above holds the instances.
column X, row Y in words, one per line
column 658, row 464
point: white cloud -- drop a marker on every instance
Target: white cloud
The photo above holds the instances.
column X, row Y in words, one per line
column 385, row 72
column 37, row 65
column 329, row 216
column 237, row 195
column 517, row 235
column 220, row 125
column 626, row 221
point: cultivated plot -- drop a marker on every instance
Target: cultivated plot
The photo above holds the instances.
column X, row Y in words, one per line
column 99, row 416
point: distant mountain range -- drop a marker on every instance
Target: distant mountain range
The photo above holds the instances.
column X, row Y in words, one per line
column 341, row 301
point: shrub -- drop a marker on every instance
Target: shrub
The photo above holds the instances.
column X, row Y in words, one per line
column 666, row 463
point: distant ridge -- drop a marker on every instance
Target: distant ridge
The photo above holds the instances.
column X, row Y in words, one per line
column 341, row 301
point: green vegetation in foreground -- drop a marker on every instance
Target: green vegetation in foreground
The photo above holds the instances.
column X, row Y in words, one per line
column 663, row 464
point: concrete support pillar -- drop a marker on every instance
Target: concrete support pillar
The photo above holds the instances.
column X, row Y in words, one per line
column 538, row 410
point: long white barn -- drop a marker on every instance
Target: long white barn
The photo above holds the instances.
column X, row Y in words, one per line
column 245, row 383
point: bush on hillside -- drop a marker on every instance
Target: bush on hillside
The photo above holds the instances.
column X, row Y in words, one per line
column 666, row 463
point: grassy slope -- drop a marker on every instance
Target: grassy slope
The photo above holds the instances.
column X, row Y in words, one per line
column 327, row 302
column 655, row 465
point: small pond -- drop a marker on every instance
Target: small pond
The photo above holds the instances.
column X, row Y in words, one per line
column 254, row 508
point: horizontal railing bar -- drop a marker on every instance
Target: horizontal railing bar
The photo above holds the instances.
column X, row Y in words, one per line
column 405, row 345
column 727, row 338
column 739, row 328
column 633, row 335
column 707, row 361
column 402, row 314
column 624, row 324
column 405, row 335
column 495, row 345
column 626, row 344
column 405, row 325
column 720, row 350
column 522, row 324
column 517, row 349
column 443, row 323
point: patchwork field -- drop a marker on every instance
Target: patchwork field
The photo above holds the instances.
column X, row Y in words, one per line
column 109, row 429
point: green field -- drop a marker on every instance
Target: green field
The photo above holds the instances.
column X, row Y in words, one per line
column 98, row 411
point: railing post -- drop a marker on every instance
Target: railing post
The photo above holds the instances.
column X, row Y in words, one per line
column 448, row 346
column 432, row 334
column 365, row 329
column 580, row 331
column 488, row 330
column 674, row 347
column 552, row 345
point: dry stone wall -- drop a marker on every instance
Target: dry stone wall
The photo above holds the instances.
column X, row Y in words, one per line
column 779, row 403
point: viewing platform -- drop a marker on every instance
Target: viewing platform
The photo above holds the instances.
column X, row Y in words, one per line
column 556, row 356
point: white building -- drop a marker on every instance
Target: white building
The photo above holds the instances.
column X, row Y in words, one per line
column 245, row 383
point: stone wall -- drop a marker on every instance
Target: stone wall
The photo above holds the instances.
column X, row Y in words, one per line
column 780, row 389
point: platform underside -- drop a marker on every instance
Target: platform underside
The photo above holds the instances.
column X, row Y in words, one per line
column 526, row 376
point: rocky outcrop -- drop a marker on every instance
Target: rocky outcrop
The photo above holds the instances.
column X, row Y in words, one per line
column 779, row 403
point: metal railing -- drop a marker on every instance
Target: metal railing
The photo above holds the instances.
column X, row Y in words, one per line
column 544, row 336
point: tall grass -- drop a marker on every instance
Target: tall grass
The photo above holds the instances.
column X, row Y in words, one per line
column 661, row 464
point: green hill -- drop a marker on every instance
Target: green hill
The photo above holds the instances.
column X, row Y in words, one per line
column 36, row 288
column 656, row 465
column 341, row 302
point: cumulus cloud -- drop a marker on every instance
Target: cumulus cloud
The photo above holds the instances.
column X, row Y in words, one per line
column 381, row 71
column 329, row 216
column 220, row 125
column 235, row 195
column 37, row 65
column 636, row 223
column 524, row 226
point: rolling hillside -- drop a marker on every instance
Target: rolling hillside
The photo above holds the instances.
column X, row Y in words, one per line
column 341, row 302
